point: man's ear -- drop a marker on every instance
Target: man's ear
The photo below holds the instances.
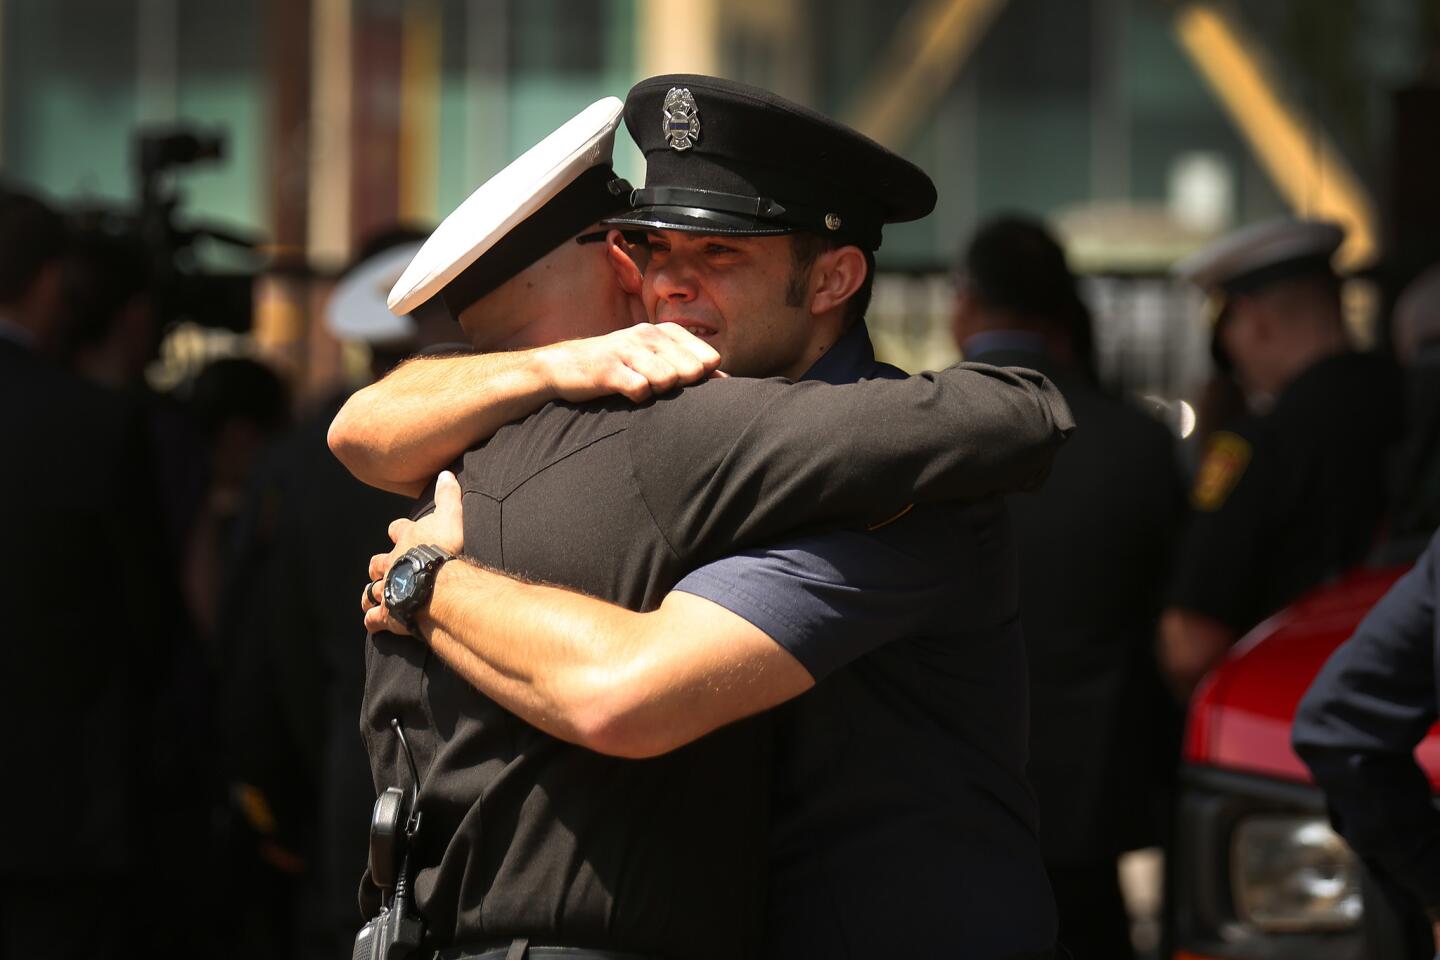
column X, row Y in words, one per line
column 41, row 302
column 627, row 261
column 838, row 274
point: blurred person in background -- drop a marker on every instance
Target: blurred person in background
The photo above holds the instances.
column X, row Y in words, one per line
column 111, row 334
column 299, row 776
column 31, row 301
column 238, row 405
column 1359, row 724
column 1292, row 492
column 235, row 406
column 1416, row 335
column 87, row 639
column 1221, row 402
column 1357, row 729
column 1095, row 548
column 112, row 331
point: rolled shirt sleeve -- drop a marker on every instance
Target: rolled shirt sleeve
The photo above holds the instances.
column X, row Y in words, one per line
column 831, row 598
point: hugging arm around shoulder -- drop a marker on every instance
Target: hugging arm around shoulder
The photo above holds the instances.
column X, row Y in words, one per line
column 737, row 462
column 724, row 465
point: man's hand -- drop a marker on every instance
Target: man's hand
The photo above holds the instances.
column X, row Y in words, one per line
column 638, row 362
column 1190, row 646
column 443, row 527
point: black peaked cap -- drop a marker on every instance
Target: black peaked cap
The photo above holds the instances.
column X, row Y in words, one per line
column 726, row 158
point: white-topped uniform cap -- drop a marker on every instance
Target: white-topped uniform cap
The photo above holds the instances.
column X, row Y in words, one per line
column 358, row 310
column 544, row 197
column 1270, row 250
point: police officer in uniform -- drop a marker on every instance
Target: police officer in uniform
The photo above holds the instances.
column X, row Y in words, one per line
column 1293, row 492
column 900, row 820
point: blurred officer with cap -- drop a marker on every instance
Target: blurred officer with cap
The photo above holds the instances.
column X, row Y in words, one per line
column 1293, row 492
column 900, row 819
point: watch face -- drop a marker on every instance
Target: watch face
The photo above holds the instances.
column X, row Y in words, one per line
column 402, row 579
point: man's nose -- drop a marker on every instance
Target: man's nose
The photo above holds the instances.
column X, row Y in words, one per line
column 673, row 279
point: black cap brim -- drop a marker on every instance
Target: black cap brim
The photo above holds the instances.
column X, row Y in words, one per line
column 697, row 220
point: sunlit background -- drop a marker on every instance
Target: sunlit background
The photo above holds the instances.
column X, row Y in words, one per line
column 1140, row 128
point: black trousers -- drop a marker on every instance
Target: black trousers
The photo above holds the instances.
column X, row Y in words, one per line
column 64, row 920
column 1091, row 911
column 1394, row 924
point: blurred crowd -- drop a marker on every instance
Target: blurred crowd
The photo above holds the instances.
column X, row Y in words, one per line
column 184, row 629
column 188, row 773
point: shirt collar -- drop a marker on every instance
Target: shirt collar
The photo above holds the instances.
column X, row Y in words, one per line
column 849, row 359
column 1007, row 341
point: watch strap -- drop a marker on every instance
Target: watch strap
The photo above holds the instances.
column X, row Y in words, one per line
column 430, row 557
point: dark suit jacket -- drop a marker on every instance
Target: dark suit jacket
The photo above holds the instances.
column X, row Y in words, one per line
column 527, row 835
column 1095, row 551
column 84, row 655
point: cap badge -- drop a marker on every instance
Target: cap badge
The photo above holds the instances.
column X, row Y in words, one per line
column 832, row 221
column 682, row 119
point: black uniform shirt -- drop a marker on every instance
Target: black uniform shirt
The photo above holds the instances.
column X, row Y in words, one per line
column 902, row 821
column 1285, row 499
column 526, row 835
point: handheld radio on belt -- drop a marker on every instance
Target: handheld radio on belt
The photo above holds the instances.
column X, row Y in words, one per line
column 395, row 933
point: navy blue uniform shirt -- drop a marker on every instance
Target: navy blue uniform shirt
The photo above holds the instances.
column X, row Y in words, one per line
column 902, row 823
column 1358, row 726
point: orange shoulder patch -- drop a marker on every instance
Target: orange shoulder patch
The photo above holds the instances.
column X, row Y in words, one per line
column 1225, row 461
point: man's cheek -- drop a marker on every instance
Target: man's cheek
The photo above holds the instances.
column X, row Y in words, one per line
column 649, row 300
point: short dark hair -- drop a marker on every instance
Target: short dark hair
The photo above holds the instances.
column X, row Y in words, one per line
column 805, row 249
column 1015, row 265
column 238, row 388
column 31, row 236
column 103, row 272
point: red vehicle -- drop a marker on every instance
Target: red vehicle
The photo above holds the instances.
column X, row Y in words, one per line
column 1256, row 872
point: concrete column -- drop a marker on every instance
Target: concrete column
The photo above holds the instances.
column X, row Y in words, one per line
column 677, row 36
column 330, row 161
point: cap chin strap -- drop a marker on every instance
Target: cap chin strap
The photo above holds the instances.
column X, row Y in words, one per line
column 697, row 203
column 761, row 208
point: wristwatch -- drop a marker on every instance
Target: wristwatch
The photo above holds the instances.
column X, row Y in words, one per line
column 410, row 581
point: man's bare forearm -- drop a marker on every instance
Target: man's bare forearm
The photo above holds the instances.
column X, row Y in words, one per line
column 1191, row 644
column 398, row 433
column 598, row 675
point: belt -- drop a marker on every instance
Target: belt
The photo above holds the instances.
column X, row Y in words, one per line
column 522, row 949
